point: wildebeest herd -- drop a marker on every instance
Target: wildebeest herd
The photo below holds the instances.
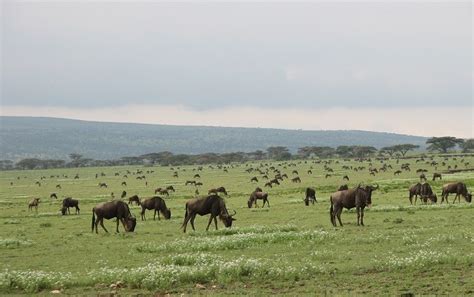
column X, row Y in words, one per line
column 358, row 197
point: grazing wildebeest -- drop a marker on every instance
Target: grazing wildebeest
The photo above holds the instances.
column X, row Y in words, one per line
column 53, row 195
column 158, row 205
column 397, row 172
column 459, row 189
column 310, row 172
column 268, row 184
column 190, row 182
column 124, row 183
column 310, row 196
column 422, row 177
column 197, row 176
column 295, row 172
column 212, row 204
column 58, row 186
column 343, row 187
column 38, row 183
column 135, row 199
column 258, row 195
column 102, row 185
column 170, row 188
column 359, row 198
column 162, row 191
column 69, row 202
column 345, row 177
column 296, row 179
column 436, row 175
column 414, row 190
column 198, row 184
column 328, row 175
column 254, row 179
column 275, row 181
column 427, row 193
column 218, row 190
column 113, row 209
column 34, row 203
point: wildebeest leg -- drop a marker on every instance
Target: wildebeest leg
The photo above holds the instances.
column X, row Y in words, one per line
column 143, row 214
column 215, row 222
column 209, row 223
column 101, row 224
column 185, row 224
column 362, row 216
column 118, row 225
column 416, row 197
column 192, row 222
column 339, row 211
column 411, row 199
column 154, row 215
column 268, row 203
column 358, row 215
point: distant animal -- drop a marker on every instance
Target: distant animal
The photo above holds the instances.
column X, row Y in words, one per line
column 217, row 190
column 359, row 198
column 436, row 175
column 113, row 209
column 343, row 187
column 58, row 186
column 102, row 185
column 170, row 189
column 295, row 172
column 397, row 172
column 53, row 195
column 459, row 189
column 197, row 176
column 212, row 204
column 422, row 177
column 427, row 193
column 162, row 191
column 158, row 205
column 345, row 177
column 34, row 203
column 69, row 202
column 38, row 183
column 135, row 199
column 258, row 195
column 268, row 184
column 275, row 181
column 328, row 175
column 124, row 193
column 124, row 183
column 254, row 179
column 310, row 172
column 296, row 179
column 310, row 196
column 198, row 184
column 414, row 191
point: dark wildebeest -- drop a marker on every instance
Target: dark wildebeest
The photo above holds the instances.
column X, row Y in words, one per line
column 275, row 181
column 198, row 184
column 190, row 182
column 69, row 202
column 124, row 193
column 258, row 195
column 34, row 203
column 436, row 175
column 58, row 186
column 53, row 195
column 459, row 189
column 254, row 179
column 135, row 199
column 158, row 205
column 359, row 198
column 328, row 175
column 268, row 184
column 295, row 172
column 310, row 172
column 427, row 193
column 113, row 209
column 197, row 176
column 397, row 172
column 296, row 179
column 162, row 191
column 343, row 187
column 422, row 177
column 102, row 185
column 216, row 191
column 414, row 190
column 170, row 189
column 212, row 204
column 345, row 177
column 124, row 183
column 310, row 196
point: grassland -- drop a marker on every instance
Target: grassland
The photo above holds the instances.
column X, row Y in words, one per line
column 288, row 248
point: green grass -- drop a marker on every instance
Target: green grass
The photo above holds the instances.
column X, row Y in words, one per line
column 287, row 249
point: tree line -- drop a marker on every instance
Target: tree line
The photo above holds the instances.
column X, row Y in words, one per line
column 278, row 153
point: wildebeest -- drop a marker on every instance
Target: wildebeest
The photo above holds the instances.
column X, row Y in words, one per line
column 343, row 187
column 158, row 205
column 212, row 204
column 113, row 209
column 58, row 186
column 345, row 177
column 217, row 190
column 359, row 198
column 170, row 189
column 69, row 202
column 310, row 172
column 397, row 172
column 436, row 175
column 102, row 185
column 296, row 180
column 53, row 195
column 162, row 191
column 135, row 199
column 124, row 193
column 275, row 181
column 190, row 182
column 34, row 203
column 459, row 189
column 414, row 190
column 427, row 193
column 327, row 175
column 422, row 177
column 310, row 196
column 254, row 179
column 124, row 183
column 268, row 184
column 197, row 175
column 258, row 195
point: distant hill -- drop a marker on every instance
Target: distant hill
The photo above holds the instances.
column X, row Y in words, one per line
column 22, row 137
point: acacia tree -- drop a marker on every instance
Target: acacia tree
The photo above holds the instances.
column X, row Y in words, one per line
column 404, row 148
column 442, row 144
column 468, row 145
column 278, row 153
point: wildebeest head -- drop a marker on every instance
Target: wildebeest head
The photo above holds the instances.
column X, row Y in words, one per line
column 167, row 213
column 469, row 197
column 130, row 223
column 63, row 210
column 433, row 198
column 227, row 219
column 249, row 203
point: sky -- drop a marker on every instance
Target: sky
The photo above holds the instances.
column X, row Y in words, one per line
column 403, row 67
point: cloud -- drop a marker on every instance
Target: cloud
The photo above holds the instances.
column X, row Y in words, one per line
column 428, row 121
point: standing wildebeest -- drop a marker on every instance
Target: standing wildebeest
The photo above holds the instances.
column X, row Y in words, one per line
column 158, row 205
column 102, row 185
column 53, row 195
column 436, row 175
column 457, row 188
column 212, row 204
column 162, row 191
column 268, row 184
column 296, row 179
column 113, row 209
column 414, row 190
column 345, row 177
column 197, row 175
column 310, row 196
column 427, row 193
column 135, row 199
column 359, row 197
column 170, row 189
column 58, row 186
column 69, row 202
column 190, row 182
column 422, row 177
column 343, row 187
column 124, row 183
column 254, row 179
column 397, row 172
column 258, row 195
column 34, row 203
column 124, row 193
column 216, row 191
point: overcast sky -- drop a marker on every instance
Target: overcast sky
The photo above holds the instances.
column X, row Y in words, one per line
column 382, row 66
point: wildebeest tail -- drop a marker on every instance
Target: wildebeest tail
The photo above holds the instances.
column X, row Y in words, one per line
column 93, row 218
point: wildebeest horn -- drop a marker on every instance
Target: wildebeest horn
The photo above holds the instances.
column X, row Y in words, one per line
column 233, row 213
